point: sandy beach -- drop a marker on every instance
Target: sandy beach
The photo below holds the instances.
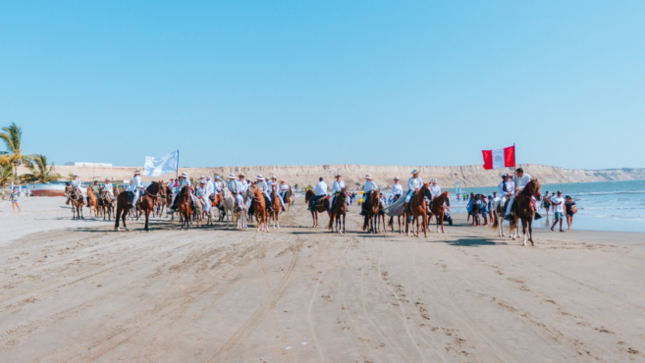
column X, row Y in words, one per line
column 75, row 291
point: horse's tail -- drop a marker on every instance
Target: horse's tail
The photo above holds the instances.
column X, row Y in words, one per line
column 331, row 221
column 496, row 223
column 366, row 222
column 514, row 219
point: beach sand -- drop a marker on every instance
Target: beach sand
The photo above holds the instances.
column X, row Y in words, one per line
column 75, row 291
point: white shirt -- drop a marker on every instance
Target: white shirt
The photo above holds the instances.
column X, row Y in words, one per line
column 109, row 189
column 321, row 188
column 557, row 207
column 369, row 186
column 76, row 183
column 435, row 191
column 415, row 183
column 520, row 182
column 136, row 182
column 217, row 186
column 185, row 182
column 263, row 186
column 234, row 186
column 337, row 186
column 202, row 191
column 510, row 187
column 284, row 187
column 397, row 189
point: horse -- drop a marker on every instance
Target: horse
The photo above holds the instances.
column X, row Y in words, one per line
column 322, row 205
column 371, row 207
column 380, row 217
column 216, row 202
column 147, row 202
column 438, row 209
column 274, row 216
column 338, row 210
column 523, row 209
column 289, row 201
column 106, row 203
column 231, row 210
column 77, row 201
column 184, row 207
column 418, row 209
column 161, row 201
column 391, row 222
column 499, row 213
column 198, row 212
column 260, row 209
column 92, row 202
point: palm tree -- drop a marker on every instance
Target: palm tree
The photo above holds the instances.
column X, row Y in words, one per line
column 39, row 171
column 6, row 172
column 11, row 137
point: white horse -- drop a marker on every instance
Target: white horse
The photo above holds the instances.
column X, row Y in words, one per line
column 499, row 213
column 230, row 204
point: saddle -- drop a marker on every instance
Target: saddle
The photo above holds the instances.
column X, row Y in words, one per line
column 129, row 198
column 319, row 202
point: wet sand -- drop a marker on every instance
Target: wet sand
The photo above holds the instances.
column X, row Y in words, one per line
column 75, row 291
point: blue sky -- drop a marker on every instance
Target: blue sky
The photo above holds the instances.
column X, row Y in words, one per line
column 326, row 82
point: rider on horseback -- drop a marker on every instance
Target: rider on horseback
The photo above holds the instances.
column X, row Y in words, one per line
column 76, row 187
column 369, row 187
column 506, row 188
column 397, row 189
column 237, row 187
column 135, row 187
column 521, row 180
column 264, row 188
column 184, row 182
column 336, row 188
column 414, row 184
column 109, row 188
column 203, row 194
column 320, row 191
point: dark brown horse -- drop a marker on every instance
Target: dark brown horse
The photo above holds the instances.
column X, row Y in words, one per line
column 438, row 209
column 260, row 209
column 322, row 205
column 274, row 216
column 523, row 209
column 371, row 207
column 418, row 209
column 338, row 210
column 76, row 197
column 106, row 203
column 147, row 203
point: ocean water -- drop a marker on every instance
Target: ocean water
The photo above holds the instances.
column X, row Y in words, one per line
column 614, row 206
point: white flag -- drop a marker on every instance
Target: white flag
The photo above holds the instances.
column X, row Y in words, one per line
column 163, row 165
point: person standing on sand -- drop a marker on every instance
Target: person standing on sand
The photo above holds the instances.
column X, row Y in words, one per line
column 571, row 209
column 14, row 199
column 558, row 210
column 547, row 203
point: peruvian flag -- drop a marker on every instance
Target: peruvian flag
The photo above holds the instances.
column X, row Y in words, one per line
column 500, row 158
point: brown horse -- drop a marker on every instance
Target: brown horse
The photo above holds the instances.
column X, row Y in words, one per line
column 438, row 209
column 184, row 202
column 371, row 207
column 106, row 203
column 398, row 218
column 147, row 202
column 76, row 197
column 274, row 216
column 260, row 209
column 216, row 202
column 338, row 210
column 523, row 209
column 418, row 209
column 288, row 200
column 93, row 201
column 380, row 216
column 161, row 201
column 322, row 205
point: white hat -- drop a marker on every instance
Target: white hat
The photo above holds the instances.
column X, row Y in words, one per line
column 208, row 178
column 368, row 176
column 240, row 174
column 184, row 175
column 396, row 178
column 433, row 181
column 202, row 182
column 216, row 177
column 202, row 177
column 74, row 176
column 138, row 171
column 337, row 174
column 415, row 171
column 274, row 177
column 259, row 177
column 231, row 176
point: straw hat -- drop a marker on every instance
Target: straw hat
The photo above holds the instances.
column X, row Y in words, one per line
column 273, row 177
column 396, row 178
column 415, row 171
column 433, row 181
column 337, row 174
column 368, row 177
column 138, row 171
column 231, row 176
column 184, row 175
column 242, row 175
column 259, row 177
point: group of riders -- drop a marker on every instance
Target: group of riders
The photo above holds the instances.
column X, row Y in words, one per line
column 237, row 186
column 415, row 183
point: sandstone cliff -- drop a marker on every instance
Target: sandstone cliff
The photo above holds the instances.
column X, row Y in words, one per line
column 469, row 175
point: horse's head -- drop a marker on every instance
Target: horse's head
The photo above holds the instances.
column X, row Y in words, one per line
column 446, row 198
column 425, row 189
column 308, row 195
column 533, row 188
column 153, row 188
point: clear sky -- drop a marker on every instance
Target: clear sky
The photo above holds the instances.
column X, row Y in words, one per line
column 326, row 82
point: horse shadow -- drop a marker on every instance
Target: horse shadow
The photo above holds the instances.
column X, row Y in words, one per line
column 473, row 242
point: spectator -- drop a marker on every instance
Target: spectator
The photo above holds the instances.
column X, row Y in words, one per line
column 547, row 203
column 14, row 199
column 558, row 209
column 571, row 209
column 483, row 208
column 469, row 208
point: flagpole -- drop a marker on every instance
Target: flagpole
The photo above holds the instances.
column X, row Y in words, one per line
column 177, row 176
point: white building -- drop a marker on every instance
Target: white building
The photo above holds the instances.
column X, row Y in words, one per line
column 78, row 163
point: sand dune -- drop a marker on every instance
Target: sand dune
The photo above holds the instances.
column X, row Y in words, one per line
column 301, row 295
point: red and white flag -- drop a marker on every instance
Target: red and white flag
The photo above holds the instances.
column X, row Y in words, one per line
column 500, row 158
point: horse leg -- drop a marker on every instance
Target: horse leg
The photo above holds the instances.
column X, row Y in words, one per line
column 123, row 217
column 147, row 216
column 343, row 223
column 116, row 223
column 525, row 236
column 425, row 226
column 530, row 228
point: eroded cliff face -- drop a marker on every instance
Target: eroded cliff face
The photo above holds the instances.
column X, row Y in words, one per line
column 469, row 175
